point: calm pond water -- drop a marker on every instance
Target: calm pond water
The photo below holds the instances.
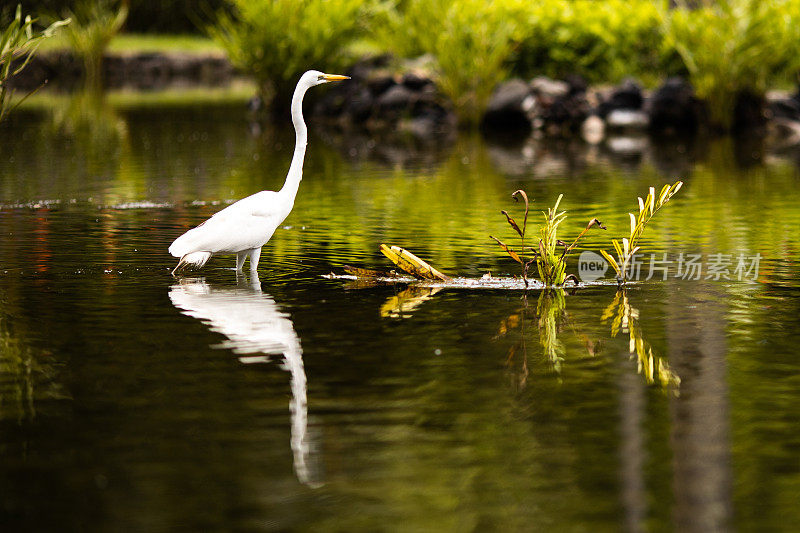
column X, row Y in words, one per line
column 132, row 401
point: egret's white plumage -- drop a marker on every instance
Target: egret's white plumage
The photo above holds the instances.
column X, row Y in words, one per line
column 244, row 227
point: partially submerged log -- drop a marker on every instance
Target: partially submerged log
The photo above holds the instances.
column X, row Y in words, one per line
column 412, row 264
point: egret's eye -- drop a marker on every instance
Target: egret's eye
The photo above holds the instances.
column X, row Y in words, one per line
column 320, row 77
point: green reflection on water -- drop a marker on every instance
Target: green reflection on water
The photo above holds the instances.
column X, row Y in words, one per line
column 482, row 434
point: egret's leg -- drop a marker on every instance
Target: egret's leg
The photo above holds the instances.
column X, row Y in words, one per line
column 240, row 257
column 255, row 254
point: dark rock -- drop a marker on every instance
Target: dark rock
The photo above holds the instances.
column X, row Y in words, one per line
column 362, row 69
column 674, row 107
column 787, row 108
column 749, row 112
column 561, row 106
column 359, row 104
column 577, row 84
column 627, row 96
column 510, row 106
column 784, row 125
column 564, row 114
column 398, row 97
column 379, row 84
column 415, row 81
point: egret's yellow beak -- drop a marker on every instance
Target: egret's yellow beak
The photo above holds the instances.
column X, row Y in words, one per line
column 335, row 77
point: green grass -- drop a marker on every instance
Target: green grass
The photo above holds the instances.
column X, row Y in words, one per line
column 133, row 43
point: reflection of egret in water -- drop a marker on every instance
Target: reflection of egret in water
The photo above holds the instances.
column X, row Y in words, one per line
column 254, row 324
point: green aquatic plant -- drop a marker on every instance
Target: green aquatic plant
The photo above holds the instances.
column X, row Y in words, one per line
column 518, row 257
column 551, row 259
column 629, row 245
column 18, row 43
column 96, row 22
column 551, row 254
column 624, row 317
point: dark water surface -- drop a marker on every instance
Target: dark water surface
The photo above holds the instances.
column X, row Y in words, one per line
column 132, row 401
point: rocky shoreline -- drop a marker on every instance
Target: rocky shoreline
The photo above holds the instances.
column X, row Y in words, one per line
column 405, row 98
column 139, row 71
column 402, row 97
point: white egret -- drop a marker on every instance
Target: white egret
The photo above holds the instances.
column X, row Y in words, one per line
column 245, row 226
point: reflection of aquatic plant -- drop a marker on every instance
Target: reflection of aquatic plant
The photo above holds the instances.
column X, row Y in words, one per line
column 550, row 263
column 625, row 318
column 18, row 40
column 647, row 210
column 96, row 23
column 550, row 312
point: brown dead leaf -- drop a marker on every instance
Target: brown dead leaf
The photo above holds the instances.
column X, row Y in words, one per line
column 508, row 250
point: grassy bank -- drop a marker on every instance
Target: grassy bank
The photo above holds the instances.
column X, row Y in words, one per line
column 726, row 48
column 134, row 43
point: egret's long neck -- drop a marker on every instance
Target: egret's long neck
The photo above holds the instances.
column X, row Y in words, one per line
column 301, row 139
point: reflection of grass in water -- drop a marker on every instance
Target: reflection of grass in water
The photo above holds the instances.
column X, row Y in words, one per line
column 24, row 377
column 88, row 119
column 238, row 92
column 625, row 318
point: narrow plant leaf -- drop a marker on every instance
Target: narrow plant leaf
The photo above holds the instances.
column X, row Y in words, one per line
column 512, row 223
column 508, row 250
column 527, row 205
column 611, row 261
column 662, row 198
column 617, row 247
column 555, row 207
column 641, row 203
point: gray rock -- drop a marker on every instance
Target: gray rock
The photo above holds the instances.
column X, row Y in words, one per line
column 544, row 87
